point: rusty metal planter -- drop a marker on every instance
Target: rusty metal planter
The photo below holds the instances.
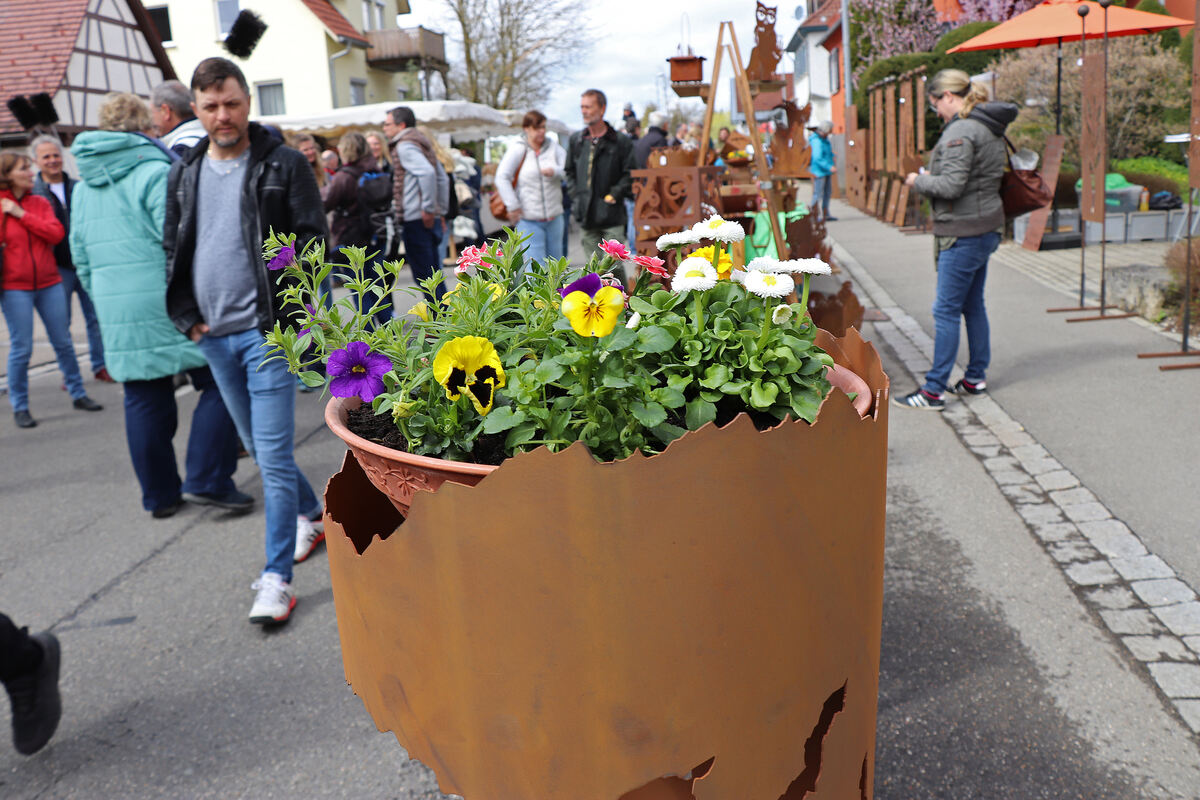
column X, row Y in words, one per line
column 704, row 622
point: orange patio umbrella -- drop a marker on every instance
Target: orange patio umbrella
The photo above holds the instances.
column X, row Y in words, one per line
column 1058, row 21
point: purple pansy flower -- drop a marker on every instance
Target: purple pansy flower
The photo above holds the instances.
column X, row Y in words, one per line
column 589, row 284
column 357, row 372
column 286, row 255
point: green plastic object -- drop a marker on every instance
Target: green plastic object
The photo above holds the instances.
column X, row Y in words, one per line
column 1113, row 182
column 761, row 242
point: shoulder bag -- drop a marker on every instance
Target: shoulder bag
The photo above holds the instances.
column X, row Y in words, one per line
column 496, row 202
column 1022, row 190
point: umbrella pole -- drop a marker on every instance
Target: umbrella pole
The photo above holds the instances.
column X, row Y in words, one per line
column 1057, row 131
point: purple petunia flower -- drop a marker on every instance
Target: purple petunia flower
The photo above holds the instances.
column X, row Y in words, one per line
column 357, row 372
column 589, row 284
column 312, row 312
column 287, row 254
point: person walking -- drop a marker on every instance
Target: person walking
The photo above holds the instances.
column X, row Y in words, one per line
column 655, row 136
column 963, row 185
column 171, row 113
column 379, row 150
column 421, row 189
column 598, row 163
column 30, row 280
column 351, row 222
column 535, row 204
column 56, row 186
column 307, row 146
column 29, row 669
column 822, row 167
column 223, row 199
column 117, row 237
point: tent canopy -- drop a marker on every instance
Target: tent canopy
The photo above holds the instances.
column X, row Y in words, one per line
column 460, row 120
column 1056, row 21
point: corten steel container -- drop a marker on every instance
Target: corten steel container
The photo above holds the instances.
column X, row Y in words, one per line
column 701, row 623
column 687, row 68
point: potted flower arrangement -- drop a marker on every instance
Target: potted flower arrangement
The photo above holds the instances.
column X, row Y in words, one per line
column 674, row 570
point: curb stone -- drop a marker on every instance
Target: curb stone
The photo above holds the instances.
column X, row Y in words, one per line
column 1138, row 596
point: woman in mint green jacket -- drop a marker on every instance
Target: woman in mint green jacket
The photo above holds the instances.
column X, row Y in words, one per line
column 117, row 213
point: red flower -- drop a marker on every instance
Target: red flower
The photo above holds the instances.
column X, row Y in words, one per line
column 615, row 249
column 654, row 265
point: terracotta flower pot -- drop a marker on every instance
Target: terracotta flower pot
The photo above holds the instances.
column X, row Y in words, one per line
column 701, row 623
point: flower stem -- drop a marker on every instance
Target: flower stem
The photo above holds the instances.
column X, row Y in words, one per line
column 716, row 259
column 804, row 296
column 698, row 311
column 765, row 332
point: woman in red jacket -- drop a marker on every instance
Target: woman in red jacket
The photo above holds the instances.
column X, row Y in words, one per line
column 29, row 230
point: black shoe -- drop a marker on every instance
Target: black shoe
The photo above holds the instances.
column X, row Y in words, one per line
column 233, row 500
column 169, row 510
column 831, row 219
column 86, row 403
column 921, row 399
column 36, row 703
column 24, row 419
column 966, row 387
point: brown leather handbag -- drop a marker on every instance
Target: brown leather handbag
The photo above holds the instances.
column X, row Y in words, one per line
column 1022, row 190
column 496, row 202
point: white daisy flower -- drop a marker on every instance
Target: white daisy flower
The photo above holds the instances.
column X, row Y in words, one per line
column 781, row 313
column 764, row 264
column 812, row 266
column 684, row 237
column 634, row 320
column 769, row 284
column 738, row 276
column 693, row 275
column 719, row 229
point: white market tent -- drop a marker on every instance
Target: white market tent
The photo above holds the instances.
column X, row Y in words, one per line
column 458, row 120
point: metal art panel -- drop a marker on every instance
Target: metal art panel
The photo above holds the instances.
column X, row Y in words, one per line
column 908, row 147
column 1093, row 145
column 1194, row 144
column 789, row 144
column 919, row 81
column 856, row 161
column 878, row 161
column 565, row 630
column 1051, row 162
column 889, row 212
column 891, row 154
column 898, row 218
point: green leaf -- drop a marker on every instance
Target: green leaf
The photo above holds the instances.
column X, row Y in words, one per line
column 699, row 412
column 665, row 300
column 734, row 387
column 667, row 433
column 642, row 307
column 805, row 403
column 649, row 414
column 313, row 379
column 547, row 371
column 715, row 375
column 762, row 395
column 671, row 398
column 520, row 434
column 502, row 419
column 653, row 339
column 615, row 382
column 619, row 339
column 679, row 381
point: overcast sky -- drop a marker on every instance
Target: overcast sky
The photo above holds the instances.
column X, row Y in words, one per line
column 633, row 40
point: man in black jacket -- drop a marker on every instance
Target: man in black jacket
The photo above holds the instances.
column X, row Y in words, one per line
column 54, row 184
column 598, row 163
column 223, row 198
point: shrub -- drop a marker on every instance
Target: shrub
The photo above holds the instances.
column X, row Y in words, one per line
column 1176, row 258
column 1154, row 172
column 957, row 36
column 1168, row 38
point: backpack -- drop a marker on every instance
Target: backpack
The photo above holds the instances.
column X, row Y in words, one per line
column 375, row 205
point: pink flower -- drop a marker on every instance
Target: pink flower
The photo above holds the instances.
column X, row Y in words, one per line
column 472, row 256
column 615, row 249
column 654, row 265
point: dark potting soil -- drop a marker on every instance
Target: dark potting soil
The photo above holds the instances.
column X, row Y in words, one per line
column 489, row 447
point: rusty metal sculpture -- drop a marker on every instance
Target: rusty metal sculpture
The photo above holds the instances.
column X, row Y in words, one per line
column 564, row 630
column 789, row 144
column 764, row 58
column 670, row 198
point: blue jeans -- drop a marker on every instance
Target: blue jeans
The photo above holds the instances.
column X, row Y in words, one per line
column 51, row 305
column 545, row 238
column 822, row 191
column 71, row 284
column 962, row 271
column 151, row 418
column 261, row 398
column 420, row 252
column 630, row 233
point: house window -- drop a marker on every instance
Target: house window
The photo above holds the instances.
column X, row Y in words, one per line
column 358, row 92
column 270, row 98
column 835, row 73
column 801, row 59
column 162, row 23
column 227, row 11
column 373, row 14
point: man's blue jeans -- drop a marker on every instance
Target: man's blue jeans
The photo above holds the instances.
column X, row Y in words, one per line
column 822, row 191
column 961, row 274
column 151, row 418
column 261, row 398
column 545, row 237
column 420, row 253
column 51, row 305
column 71, row 285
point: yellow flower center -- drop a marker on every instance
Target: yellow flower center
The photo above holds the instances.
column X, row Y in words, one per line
column 715, row 223
column 358, row 368
column 694, row 273
column 769, row 280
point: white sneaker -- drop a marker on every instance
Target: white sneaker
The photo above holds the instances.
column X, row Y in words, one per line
column 309, row 534
column 275, row 600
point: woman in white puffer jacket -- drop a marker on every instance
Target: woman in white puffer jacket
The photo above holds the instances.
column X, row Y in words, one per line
column 536, row 203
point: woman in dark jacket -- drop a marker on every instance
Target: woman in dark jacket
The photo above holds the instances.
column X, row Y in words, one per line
column 350, row 225
column 963, row 185
column 29, row 230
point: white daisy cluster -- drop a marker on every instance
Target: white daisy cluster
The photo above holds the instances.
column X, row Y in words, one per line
column 693, row 275
column 768, row 284
column 681, row 239
column 811, row 266
column 718, row 229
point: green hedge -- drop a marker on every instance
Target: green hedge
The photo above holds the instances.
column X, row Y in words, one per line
column 1156, row 168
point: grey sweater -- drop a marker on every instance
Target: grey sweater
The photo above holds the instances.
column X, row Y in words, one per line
column 965, row 169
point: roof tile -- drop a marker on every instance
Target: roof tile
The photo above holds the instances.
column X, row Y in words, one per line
column 39, row 35
column 333, row 20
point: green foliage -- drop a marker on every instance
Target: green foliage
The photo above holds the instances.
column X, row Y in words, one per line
column 1168, row 38
column 891, row 66
column 955, row 37
column 661, row 364
column 1135, row 170
column 1185, row 51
